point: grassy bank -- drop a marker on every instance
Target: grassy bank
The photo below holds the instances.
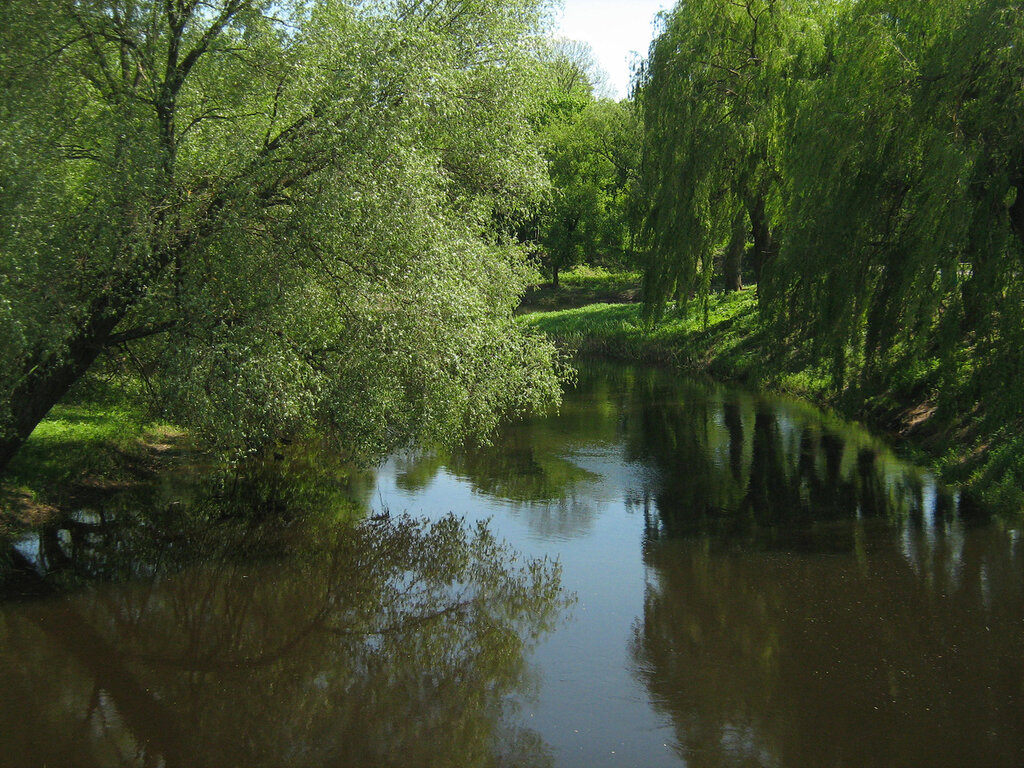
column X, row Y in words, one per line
column 726, row 339
column 723, row 338
column 98, row 443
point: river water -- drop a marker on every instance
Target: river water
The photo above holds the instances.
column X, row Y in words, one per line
column 745, row 581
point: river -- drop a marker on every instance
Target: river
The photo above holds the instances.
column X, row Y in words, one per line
column 745, row 581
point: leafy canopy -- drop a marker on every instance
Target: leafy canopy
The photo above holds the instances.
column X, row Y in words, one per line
column 713, row 96
column 271, row 213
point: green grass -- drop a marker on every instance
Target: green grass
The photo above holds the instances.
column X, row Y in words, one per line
column 599, row 278
column 583, row 285
column 95, row 442
column 725, row 338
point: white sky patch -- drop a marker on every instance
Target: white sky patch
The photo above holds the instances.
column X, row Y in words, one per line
column 618, row 31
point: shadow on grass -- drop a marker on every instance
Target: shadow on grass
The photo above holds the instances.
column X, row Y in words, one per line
column 79, row 452
column 583, row 286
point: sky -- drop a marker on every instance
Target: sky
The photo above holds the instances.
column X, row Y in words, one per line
column 614, row 29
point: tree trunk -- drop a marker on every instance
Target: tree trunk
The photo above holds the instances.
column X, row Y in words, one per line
column 49, row 374
column 554, row 276
column 765, row 246
column 47, row 380
column 732, row 263
column 1017, row 212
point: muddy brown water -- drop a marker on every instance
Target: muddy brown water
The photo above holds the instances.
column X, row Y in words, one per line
column 745, row 581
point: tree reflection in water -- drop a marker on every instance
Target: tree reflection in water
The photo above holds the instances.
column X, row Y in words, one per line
column 266, row 633
column 530, row 465
column 809, row 600
column 814, row 660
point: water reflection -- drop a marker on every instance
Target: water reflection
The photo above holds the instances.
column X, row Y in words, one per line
column 760, row 584
column 880, row 659
column 766, row 473
column 698, row 458
column 267, row 632
column 533, row 466
column 810, row 599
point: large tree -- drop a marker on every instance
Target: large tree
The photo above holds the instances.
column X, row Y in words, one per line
column 713, row 96
column 906, row 202
column 592, row 164
column 279, row 213
column 591, row 147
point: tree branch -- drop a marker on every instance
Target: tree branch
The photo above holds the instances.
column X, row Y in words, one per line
column 140, row 332
column 229, row 12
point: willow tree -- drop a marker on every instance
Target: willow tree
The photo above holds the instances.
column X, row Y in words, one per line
column 275, row 213
column 905, row 211
column 713, row 96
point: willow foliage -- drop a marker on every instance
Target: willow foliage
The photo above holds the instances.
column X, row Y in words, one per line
column 712, row 96
column 905, row 193
column 275, row 213
column 873, row 151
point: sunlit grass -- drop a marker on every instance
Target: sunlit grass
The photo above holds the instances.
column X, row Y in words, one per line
column 599, row 278
column 99, row 440
column 605, row 320
column 685, row 337
column 724, row 337
column 584, row 285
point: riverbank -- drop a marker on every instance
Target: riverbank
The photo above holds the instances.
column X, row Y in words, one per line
column 96, row 445
column 100, row 443
column 727, row 340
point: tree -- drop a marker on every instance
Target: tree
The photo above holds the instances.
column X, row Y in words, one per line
column 712, row 97
column 615, row 135
column 904, row 214
column 591, row 148
column 275, row 213
column 562, row 224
